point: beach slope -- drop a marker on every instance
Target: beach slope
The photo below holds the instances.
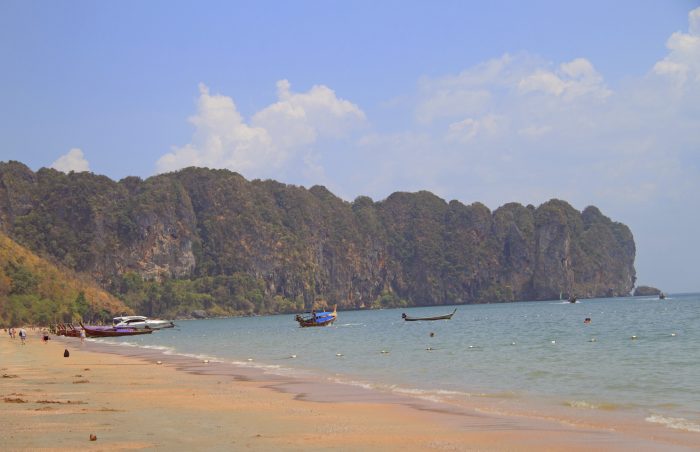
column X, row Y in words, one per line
column 57, row 403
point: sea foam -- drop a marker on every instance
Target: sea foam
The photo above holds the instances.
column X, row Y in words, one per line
column 677, row 423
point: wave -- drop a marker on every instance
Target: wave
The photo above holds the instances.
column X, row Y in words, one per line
column 677, row 423
column 161, row 348
column 583, row 404
column 432, row 395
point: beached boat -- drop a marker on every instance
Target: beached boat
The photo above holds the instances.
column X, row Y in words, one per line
column 140, row 322
column 321, row 318
column 440, row 317
column 66, row 329
column 110, row 331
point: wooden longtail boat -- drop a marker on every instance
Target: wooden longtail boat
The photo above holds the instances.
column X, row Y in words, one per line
column 322, row 318
column 108, row 331
column 440, row 317
column 67, row 329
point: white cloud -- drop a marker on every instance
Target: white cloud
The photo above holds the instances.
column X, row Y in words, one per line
column 480, row 90
column 467, row 94
column 275, row 135
column 222, row 139
column 446, row 103
column 521, row 128
column 683, row 61
column 469, row 129
column 74, row 160
column 572, row 80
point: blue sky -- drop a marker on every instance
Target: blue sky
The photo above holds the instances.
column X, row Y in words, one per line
column 594, row 102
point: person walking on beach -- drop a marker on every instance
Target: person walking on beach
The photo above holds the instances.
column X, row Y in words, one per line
column 82, row 336
column 22, row 335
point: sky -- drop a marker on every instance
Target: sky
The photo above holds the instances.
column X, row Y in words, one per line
column 594, row 102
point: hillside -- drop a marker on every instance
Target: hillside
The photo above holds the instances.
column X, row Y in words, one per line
column 35, row 292
column 201, row 239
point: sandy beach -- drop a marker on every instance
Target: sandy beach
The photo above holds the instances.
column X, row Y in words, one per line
column 50, row 402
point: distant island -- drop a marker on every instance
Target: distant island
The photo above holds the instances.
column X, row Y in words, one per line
column 646, row 291
column 211, row 242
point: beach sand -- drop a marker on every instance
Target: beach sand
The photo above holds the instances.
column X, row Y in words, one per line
column 49, row 402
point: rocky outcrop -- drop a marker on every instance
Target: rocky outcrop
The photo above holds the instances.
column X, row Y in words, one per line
column 285, row 242
column 646, row 291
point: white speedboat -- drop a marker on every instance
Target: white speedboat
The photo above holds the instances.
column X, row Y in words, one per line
column 141, row 322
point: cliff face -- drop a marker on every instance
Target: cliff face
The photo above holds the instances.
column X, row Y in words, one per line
column 291, row 243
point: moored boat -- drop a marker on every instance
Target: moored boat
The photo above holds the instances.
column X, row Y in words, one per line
column 110, row 331
column 440, row 317
column 66, row 329
column 322, row 318
column 140, row 322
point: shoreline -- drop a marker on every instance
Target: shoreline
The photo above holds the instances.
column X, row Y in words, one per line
column 129, row 401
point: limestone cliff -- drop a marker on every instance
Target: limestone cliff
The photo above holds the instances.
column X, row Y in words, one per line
column 214, row 241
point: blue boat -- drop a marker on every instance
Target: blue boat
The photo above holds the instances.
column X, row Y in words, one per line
column 314, row 318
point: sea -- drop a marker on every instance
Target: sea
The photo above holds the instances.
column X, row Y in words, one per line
column 637, row 360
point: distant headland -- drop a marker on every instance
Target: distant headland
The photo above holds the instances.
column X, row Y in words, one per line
column 210, row 241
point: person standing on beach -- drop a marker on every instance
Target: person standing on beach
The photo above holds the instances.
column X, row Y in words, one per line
column 82, row 336
column 22, row 335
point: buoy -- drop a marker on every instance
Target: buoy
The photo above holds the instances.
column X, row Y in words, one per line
column 472, row 346
column 384, row 352
column 292, row 356
column 512, row 343
column 592, row 339
column 206, row 361
column 338, row 354
column 673, row 334
column 250, row 359
column 159, row 362
column 633, row 337
column 554, row 342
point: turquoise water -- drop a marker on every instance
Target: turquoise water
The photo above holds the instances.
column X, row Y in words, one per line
column 639, row 356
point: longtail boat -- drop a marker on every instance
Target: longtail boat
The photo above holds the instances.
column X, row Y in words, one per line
column 66, row 329
column 108, row 331
column 314, row 318
column 440, row 317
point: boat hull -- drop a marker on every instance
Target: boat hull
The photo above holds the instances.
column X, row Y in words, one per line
column 305, row 323
column 112, row 332
column 317, row 319
column 153, row 325
column 440, row 317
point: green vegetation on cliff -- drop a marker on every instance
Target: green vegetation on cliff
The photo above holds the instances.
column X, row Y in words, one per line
column 34, row 291
column 209, row 240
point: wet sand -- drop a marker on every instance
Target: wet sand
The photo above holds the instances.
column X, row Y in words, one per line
column 129, row 401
